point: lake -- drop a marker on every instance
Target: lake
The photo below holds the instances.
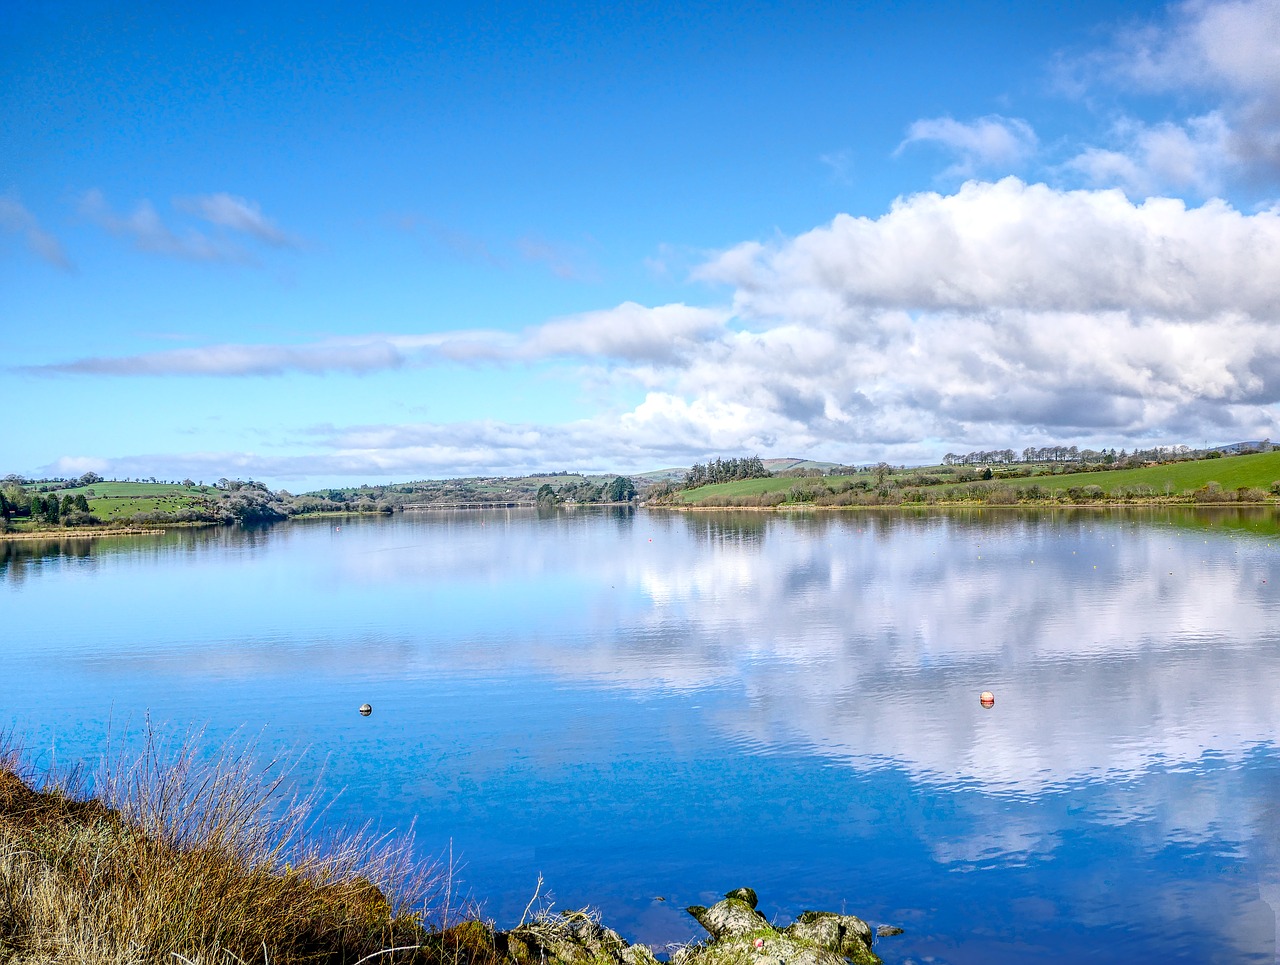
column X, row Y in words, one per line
column 640, row 706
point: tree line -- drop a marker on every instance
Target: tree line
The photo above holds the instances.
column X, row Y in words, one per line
column 725, row 470
column 620, row 489
column 1059, row 453
column 70, row 510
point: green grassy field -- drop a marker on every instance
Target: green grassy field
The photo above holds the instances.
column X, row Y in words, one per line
column 1257, row 471
column 113, row 500
column 749, row 487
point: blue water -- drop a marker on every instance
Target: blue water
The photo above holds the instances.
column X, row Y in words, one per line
column 642, row 705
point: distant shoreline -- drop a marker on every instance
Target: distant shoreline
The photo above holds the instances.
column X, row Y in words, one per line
column 947, row 506
column 75, row 533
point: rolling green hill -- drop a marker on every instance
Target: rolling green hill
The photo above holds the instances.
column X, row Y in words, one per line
column 111, row 501
column 1259, row 471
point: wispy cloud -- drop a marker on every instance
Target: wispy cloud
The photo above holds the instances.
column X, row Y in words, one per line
column 416, row 450
column 627, row 333
column 237, row 214
column 352, row 357
column 840, row 164
column 1003, row 143
column 462, row 244
column 563, row 261
column 233, row 217
column 148, row 232
column 16, row 218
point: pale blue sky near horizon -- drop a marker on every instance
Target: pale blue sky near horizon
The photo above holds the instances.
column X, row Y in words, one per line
column 328, row 245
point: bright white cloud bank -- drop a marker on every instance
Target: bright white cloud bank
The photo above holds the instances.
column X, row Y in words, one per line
column 1009, row 307
column 998, row 315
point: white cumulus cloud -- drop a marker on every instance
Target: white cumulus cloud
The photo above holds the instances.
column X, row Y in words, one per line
column 1001, row 315
column 982, row 144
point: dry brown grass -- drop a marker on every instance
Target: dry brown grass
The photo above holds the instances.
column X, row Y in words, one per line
column 181, row 859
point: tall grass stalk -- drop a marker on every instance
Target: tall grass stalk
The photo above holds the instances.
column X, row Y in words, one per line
column 177, row 855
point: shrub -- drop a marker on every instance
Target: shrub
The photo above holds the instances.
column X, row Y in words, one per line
column 1212, row 492
column 1085, row 494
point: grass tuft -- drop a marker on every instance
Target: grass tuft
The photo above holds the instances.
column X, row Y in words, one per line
column 176, row 857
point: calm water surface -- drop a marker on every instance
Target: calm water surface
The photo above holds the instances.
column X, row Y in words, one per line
column 643, row 705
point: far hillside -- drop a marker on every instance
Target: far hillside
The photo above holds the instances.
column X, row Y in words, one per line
column 475, row 491
column 1216, row 478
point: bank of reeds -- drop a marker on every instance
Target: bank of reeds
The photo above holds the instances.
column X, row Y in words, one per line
column 174, row 858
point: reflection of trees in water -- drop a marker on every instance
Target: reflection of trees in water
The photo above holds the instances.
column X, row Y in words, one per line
column 728, row 527
column 583, row 516
column 16, row 555
column 1021, row 520
column 1254, row 520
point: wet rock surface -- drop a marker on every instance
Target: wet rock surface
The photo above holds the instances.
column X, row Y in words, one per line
column 740, row 935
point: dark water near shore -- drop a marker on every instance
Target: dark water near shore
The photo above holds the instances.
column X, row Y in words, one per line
column 643, row 705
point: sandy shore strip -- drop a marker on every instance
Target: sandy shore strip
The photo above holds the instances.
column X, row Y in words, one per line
column 81, row 533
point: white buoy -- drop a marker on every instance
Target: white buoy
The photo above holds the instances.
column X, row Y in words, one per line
column 366, row 710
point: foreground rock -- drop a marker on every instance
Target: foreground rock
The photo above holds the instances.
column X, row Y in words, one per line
column 740, row 935
column 571, row 937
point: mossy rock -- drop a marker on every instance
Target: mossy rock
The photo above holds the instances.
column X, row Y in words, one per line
column 845, row 935
column 776, row 949
column 729, row 917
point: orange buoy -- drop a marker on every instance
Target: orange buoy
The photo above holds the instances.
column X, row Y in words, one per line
column 987, row 699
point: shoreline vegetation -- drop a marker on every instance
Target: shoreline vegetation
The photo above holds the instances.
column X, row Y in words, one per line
column 1181, row 479
column 171, row 856
column 90, row 504
column 1247, row 474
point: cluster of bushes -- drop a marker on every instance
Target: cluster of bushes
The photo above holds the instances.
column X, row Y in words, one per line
column 17, row 503
column 1214, row 493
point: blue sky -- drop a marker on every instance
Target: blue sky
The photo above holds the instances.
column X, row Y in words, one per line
column 318, row 244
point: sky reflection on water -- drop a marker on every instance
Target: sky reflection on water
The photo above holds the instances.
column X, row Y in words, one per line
column 641, row 704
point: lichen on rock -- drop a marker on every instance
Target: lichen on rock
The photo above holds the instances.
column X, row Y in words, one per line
column 730, row 917
column 740, row 935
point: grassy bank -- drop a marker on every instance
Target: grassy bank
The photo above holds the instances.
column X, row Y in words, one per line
column 1249, row 478
column 176, row 860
